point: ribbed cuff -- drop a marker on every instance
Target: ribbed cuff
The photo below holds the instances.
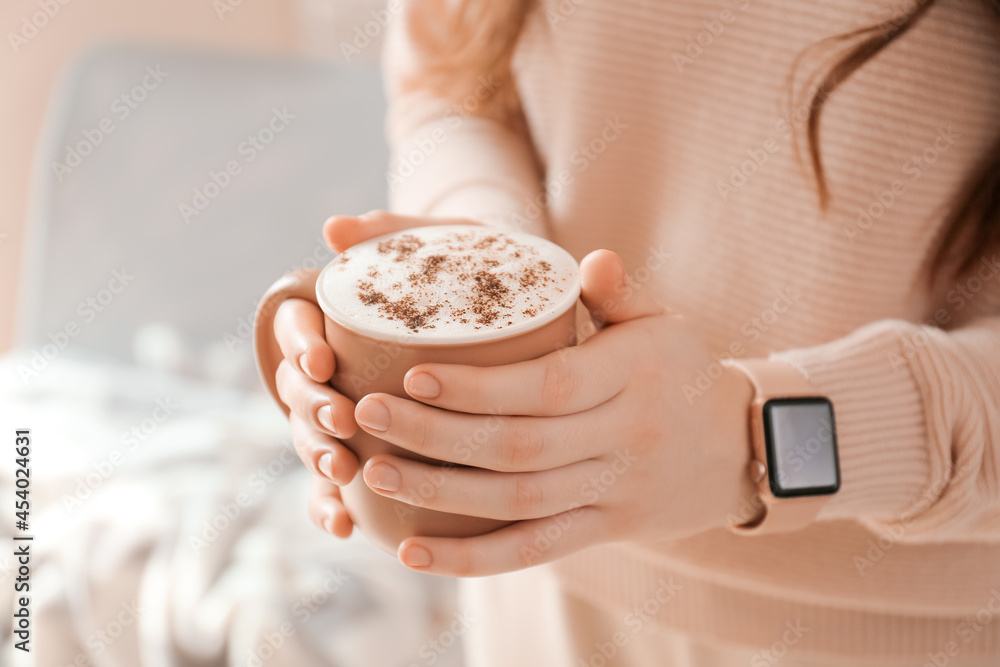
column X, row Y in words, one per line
column 881, row 433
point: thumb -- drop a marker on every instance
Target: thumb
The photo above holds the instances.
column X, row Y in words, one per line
column 609, row 293
column 343, row 231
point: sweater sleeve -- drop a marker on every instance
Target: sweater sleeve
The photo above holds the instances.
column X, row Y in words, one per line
column 918, row 426
column 456, row 157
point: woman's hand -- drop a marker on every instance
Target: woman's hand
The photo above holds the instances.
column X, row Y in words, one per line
column 590, row 444
column 321, row 417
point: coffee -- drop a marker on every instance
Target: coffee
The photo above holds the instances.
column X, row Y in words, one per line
column 444, row 294
column 448, row 284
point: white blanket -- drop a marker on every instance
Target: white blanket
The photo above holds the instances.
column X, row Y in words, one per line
column 170, row 529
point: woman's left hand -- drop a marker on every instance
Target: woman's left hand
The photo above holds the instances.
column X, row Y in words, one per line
column 590, row 444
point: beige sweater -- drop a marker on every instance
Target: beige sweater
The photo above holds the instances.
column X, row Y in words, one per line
column 663, row 131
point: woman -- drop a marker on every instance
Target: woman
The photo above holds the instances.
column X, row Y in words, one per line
column 812, row 187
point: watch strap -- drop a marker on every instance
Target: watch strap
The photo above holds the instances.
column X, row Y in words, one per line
column 773, row 380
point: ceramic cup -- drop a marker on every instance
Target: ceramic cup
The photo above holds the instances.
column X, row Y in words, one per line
column 368, row 361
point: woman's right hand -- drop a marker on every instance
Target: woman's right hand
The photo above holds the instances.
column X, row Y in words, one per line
column 320, row 416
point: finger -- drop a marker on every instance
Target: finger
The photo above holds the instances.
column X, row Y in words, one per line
column 323, row 454
column 298, row 327
column 609, row 293
column 343, row 231
column 326, row 509
column 318, row 405
column 564, row 382
column 515, row 547
column 484, row 493
column 494, row 442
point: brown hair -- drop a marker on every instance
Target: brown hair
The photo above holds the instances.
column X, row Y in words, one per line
column 972, row 223
column 489, row 33
column 459, row 41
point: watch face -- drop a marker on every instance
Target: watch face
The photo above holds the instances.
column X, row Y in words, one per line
column 801, row 445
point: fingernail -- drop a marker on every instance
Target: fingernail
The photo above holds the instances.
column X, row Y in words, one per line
column 325, row 417
column 328, row 524
column 383, row 477
column 373, row 414
column 304, row 364
column 416, row 557
column 423, row 385
column 325, row 465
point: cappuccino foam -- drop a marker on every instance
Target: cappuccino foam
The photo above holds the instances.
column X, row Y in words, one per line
column 461, row 282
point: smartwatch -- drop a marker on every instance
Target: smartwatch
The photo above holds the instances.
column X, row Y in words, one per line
column 793, row 437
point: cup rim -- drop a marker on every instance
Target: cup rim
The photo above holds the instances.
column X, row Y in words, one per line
column 568, row 300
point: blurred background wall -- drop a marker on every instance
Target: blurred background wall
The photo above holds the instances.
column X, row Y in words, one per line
column 37, row 47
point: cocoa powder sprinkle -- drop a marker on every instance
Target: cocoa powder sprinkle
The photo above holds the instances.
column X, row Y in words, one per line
column 471, row 266
column 403, row 246
column 429, row 270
